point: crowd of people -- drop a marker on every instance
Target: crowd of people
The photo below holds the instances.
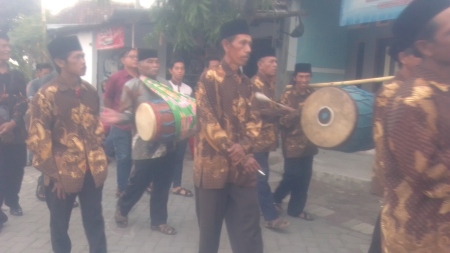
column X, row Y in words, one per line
column 59, row 118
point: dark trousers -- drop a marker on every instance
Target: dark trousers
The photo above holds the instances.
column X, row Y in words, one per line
column 13, row 159
column 179, row 160
column 375, row 246
column 265, row 196
column 121, row 140
column 296, row 179
column 90, row 199
column 160, row 172
column 239, row 207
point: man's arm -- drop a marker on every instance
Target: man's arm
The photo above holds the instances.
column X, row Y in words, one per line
column 21, row 106
column 289, row 120
column 110, row 92
column 40, row 137
column 415, row 133
column 207, row 118
column 252, row 127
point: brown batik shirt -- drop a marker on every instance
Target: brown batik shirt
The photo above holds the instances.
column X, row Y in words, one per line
column 268, row 137
column 413, row 144
column 224, row 117
column 294, row 142
column 65, row 134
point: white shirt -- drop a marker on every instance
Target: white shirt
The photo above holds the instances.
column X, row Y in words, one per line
column 183, row 88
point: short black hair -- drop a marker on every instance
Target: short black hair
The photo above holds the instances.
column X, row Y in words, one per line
column 41, row 66
column 209, row 59
column 4, row 36
column 126, row 51
column 173, row 62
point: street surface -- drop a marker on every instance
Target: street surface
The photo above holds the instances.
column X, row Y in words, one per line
column 344, row 222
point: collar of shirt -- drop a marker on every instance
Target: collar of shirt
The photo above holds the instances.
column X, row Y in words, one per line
column 62, row 86
column 228, row 71
column 265, row 79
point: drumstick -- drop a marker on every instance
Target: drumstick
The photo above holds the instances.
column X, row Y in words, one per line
column 264, row 98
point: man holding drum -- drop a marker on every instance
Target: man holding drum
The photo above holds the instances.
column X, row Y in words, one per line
column 267, row 141
column 153, row 160
column 413, row 136
column 298, row 151
column 225, row 171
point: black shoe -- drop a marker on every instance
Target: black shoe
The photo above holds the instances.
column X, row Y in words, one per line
column 16, row 211
column 3, row 217
column 75, row 204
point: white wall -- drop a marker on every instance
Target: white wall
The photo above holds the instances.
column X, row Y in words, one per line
column 87, row 42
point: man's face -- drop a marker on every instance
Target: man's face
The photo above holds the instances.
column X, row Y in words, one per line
column 239, row 49
column 213, row 64
column 439, row 48
column 43, row 72
column 268, row 66
column 177, row 71
column 5, row 50
column 130, row 60
column 75, row 64
column 149, row 67
column 302, row 80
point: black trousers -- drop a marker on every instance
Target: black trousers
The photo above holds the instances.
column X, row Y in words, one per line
column 240, row 209
column 296, row 179
column 13, row 159
column 375, row 246
column 90, row 199
column 160, row 172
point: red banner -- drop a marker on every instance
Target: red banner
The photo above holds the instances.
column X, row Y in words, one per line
column 110, row 38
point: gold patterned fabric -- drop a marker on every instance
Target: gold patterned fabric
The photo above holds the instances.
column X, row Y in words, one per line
column 65, row 134
column 412, row 135
column 268, row 138
column 224, row 117
column 294, row 142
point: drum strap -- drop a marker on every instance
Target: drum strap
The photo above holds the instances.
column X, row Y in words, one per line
column 182, row 106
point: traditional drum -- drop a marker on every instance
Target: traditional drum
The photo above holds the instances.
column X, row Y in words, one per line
column 339, row 119
column 155, row 121
column 170, row 118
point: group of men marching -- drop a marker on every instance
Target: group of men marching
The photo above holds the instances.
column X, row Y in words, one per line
column 236, row 134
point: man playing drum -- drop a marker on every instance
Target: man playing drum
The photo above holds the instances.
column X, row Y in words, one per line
column 153, row 160
column 225, row 171
column 267, row 141
column 413, row 136
column 298, row 151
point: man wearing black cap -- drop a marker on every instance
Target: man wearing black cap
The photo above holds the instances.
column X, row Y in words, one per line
column 267, row 141
column 298, row 151
column 65, row 136
column 13, row 152
column 413, row 137
column 153, row 161
column 225, row 172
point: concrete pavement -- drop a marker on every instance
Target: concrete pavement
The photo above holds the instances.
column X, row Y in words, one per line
column 344, row 222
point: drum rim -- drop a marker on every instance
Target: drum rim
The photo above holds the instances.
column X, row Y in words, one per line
column 353, row 125
column 145, row 104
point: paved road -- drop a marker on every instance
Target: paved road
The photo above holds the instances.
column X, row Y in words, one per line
column 343, row 224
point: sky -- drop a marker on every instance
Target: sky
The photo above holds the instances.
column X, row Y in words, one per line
column 54, row 6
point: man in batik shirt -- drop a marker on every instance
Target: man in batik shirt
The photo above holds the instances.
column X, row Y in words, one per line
column 267, row 141
column 65, row 136
column 298, row 151
column 413, row 137
column 224, row 168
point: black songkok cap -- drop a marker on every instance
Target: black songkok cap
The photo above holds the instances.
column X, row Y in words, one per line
column 303, row 68
column 145, row 53
column 266, row 52
column 413, row 20
column 233, row 28
column 61, row 46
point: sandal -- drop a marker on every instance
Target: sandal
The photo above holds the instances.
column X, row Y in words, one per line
column 277, row 224
column 306, row 216
column 40, row 192
column 121, row 221
column 165, row 229
column 183, row 192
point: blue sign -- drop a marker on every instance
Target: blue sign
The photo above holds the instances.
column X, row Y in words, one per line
column 354, row 12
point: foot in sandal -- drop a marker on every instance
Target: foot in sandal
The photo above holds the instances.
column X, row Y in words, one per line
column 277, row 224
column 164, row 229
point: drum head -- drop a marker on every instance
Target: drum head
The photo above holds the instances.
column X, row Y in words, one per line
column 329, row 116
column 146, row 121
